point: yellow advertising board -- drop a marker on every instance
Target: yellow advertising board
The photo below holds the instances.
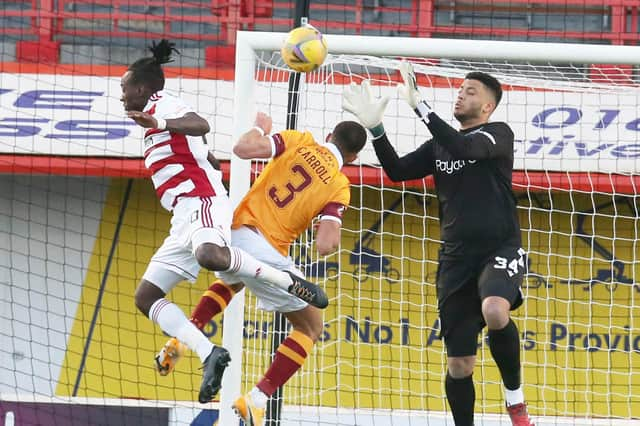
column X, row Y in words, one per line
column 380, row 349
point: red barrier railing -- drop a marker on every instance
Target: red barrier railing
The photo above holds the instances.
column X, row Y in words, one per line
column 52, row 22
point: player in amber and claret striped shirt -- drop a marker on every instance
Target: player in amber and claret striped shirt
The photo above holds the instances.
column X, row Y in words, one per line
column 302, row 181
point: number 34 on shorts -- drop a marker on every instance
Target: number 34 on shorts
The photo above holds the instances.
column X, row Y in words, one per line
column 513, row 265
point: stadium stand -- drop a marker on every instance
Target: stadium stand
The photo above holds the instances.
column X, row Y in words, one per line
column 69, row 31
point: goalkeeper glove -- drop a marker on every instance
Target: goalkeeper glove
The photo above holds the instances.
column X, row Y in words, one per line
column 409, row 91
column 359, row 101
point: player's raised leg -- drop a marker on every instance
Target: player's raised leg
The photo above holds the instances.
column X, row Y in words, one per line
column 233, row 260
column 210, row 231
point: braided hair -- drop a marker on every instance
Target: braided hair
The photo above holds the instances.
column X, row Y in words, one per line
column 148, row 71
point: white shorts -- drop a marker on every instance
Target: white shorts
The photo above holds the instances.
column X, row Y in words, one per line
column 195, row 221
column 270, row 297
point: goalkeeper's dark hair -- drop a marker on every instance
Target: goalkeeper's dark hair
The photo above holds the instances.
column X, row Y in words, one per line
column 489, row 81
column 349, row 137
column 148, row 71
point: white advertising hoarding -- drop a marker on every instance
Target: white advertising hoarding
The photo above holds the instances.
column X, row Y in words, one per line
column 82, row 116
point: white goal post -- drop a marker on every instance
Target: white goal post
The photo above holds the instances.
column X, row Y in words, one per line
column 580, row 162
column 248, row 42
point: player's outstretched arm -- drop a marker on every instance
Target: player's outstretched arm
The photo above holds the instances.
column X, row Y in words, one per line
column 491, row 141
column 255, row 143
column 190, row 124
column 359, row 101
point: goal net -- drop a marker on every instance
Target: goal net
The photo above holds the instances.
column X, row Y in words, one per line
column 74, row 246
column 380, row 360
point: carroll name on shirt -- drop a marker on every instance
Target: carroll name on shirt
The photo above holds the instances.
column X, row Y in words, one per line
column 315, row 164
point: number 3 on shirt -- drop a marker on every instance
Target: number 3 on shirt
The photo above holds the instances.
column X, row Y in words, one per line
column 290, row 188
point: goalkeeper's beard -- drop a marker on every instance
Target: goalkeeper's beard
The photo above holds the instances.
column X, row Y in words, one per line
column 469, row 115
column 464, row 117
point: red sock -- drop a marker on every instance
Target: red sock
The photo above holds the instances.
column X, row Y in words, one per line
column 289, row 358
column 212, row 302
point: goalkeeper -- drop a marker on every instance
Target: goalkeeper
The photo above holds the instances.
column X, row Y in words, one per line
column 481, row 262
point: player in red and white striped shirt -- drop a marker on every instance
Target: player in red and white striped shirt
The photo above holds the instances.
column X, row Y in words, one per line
column 178, row 162
column 190, row 186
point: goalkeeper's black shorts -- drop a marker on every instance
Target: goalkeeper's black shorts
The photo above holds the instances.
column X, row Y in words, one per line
column 462, row 285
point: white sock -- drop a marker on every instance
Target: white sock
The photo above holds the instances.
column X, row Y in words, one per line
column 195, row 340
column 174, row 322
column 259, row 398
column 514, row 397
column 243, row 265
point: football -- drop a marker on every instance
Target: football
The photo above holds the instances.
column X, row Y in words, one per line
column 305, row 49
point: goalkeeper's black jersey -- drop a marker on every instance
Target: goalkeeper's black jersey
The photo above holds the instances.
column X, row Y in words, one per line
column 472, row 171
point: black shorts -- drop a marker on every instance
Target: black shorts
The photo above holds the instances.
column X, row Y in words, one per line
column 462, row 285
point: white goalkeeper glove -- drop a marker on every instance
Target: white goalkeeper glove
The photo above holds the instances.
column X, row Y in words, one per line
column 409, row 91
column 359, row 101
